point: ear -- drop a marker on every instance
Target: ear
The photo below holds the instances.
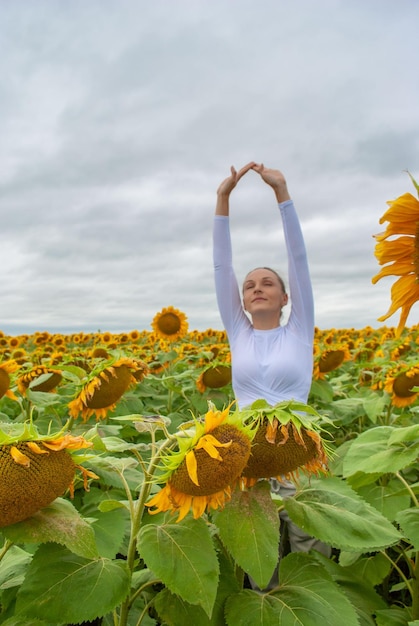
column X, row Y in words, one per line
column 285, row 299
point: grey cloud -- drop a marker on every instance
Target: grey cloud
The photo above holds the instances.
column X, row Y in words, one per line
column 119, row 121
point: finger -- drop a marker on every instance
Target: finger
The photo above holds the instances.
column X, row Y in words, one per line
column 245, row 169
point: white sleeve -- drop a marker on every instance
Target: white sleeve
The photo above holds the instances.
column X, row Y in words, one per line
column 301, row 320
column 226, row 287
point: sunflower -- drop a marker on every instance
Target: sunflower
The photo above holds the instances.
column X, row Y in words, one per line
column 100, row 353
column 329, row 360
column 201, row 475
column 49, row 381
column 106, row 385
column 214, row 377
column 287, row 439
column 34, row 470
column 400, row 256
column 170, row 324
column 399, row 383
column 7, row 368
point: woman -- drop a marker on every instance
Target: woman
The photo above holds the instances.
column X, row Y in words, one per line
column 269, row 360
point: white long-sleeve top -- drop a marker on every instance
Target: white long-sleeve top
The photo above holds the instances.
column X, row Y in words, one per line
column 275, row 364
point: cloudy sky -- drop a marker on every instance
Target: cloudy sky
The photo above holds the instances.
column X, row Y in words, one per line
column 119, row 119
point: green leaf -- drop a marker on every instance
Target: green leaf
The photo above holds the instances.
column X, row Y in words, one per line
column 332, row 512
column 174, row 611
column 307, row 596
column 409, row 523
column 110, row 468
column 388, row 499
column 322, row 390
column 182, row 555
column 381, row 449
column 58, row 522
column 393, row 617
column 62, row 587
column 371, row 569
column 405, row 435
column 357, row 586
column 249, row 529
column 374, row 406
column 25, row 621
column 13, row 567
column 110, row 528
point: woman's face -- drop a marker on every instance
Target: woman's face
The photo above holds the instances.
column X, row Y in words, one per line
column 263, row 292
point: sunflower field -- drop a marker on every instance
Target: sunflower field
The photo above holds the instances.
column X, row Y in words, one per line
column 134, row 493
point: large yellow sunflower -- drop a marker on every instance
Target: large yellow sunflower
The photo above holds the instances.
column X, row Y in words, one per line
column 400, row 256
column 7, row 368
column 106, row 385
column 170, row 324
column 201, row 475
column 287, row 439
column 34, row 470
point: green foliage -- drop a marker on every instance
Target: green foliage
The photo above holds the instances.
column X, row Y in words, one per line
column 182, row 555
column 307, row 596
column 61, row 586
column 101, row 557
column 249, row 529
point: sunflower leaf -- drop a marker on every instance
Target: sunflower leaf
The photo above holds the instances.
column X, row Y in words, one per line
column 382, row 450
column 173, row 610
column 334, row 513
column 62, row 587
column 307, row 595
column 249, row 529
column 409, row 523
column 58, row 522
column 183, row 556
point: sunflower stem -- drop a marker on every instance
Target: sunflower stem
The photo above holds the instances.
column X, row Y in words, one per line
column 137, row 511
column 406, row 581
column 409, row 489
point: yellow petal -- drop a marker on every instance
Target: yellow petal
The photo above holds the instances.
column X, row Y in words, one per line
column 19, row 457
column 213, row 419
column 192, row 467
column 210, row 445
column 35, row 448
column 199, row 504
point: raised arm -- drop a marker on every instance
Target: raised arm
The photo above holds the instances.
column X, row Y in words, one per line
column 227, row 290
column 275, row 179
column 227, row 186
column 302, row 305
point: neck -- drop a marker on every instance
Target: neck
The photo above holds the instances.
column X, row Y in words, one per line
column 265, row 322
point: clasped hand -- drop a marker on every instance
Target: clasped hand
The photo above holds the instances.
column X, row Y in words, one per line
column 273, row 178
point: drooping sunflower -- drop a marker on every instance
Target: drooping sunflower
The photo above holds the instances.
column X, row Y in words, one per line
column 170, row 324
column 105, row 386
column 400, row 256
column 49, row 381
column 7, row 368
column 287, row 439
column 399, row 383
column 328, row 360
column 35, row 469
column 201, row 475
column 214, row 377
